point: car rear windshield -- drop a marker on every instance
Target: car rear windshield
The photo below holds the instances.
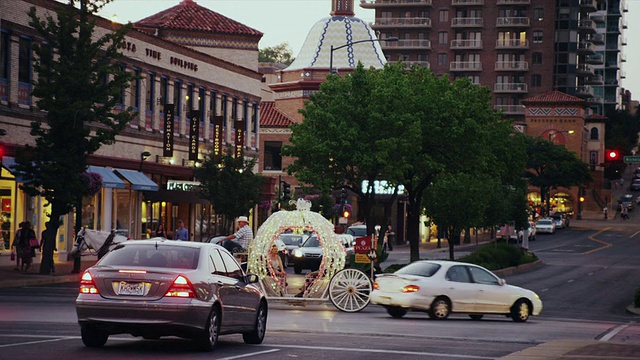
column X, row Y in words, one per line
column 425, row 269
column 544, row 222
column 148, row 255
column 291, row 239
column 357, row 231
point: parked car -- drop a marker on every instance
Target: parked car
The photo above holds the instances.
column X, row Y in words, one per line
column 291, row 242
column 635, row 185
column 356, row 231
column 348, row 241
column 626, row 200
column 443, row 287
column 152, row 288
column 560, row 220
column 546, row 226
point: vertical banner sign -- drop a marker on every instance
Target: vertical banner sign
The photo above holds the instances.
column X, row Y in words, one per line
column 239, row 144
column 194, row 132
column 217, row 138
column 167, row 144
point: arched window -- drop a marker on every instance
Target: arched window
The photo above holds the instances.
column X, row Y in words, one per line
column 594, row 133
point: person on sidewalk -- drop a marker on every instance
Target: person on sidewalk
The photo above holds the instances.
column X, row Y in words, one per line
column 181, row 232
column 25, row 251
column 14, row 245
column 389, row 238
column 624, row 213
column 605, row 211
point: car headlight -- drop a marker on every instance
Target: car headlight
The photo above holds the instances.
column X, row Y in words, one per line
column 297, row 253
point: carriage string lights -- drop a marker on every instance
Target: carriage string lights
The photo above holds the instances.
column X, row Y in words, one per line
column 298, row 221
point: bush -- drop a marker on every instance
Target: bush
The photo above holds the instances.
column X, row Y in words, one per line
column 636, row 301
column 499, row 256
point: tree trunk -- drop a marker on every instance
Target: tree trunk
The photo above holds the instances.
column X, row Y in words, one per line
column 50, row 235
column 413, row 229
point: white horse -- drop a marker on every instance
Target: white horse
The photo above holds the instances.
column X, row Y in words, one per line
column 96, row 242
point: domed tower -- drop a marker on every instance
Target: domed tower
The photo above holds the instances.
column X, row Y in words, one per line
column 341, row 40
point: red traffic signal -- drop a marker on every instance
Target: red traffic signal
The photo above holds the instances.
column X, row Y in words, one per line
column 346, row 213
column 613, row 155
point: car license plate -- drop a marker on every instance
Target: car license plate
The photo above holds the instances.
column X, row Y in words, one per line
column 136, row 289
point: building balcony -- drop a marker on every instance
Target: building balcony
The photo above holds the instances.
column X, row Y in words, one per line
column 586, row 48
column 611, row 65
column 373, row 4
column 465, row 66
column 404, row 22
column 513, row 22
column 595, row 100
column 588, row 5
column 587, row 25
column 597, row 39
column 466, row 44
column 623, row 41
column 623, row 75
column 598, row 18
column 516, row 88
column 512, row 66
column 511, row 109
column 406, row 44
column 424, row 64
column 467, row 22
column 595, row 59
column 467, row 2
column 595, row 80
column 585, row 70
column 585, row 91
column 512, row 44
column 623, row 57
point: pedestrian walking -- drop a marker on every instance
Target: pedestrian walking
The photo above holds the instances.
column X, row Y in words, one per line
column 624, row 213
column 389, row 238
column 181, row 232
column 605, row 211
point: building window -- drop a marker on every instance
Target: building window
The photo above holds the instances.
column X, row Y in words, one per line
column 272, row 157
column 594, row 133
column 537, row 37
column 538, row 14
column 442, row 59
column 4, row 55
column 135, row 90
column 443, row 16
column 536, row 80
column 443, row 37
column 177, row 100
column 24, row 61
column 536, row 58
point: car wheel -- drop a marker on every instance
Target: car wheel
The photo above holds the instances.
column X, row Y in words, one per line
column 520, row 311
column 476, row 316
column 257, row 335
column 285, row 263
column 440, row 309
column 396, row 312
column 297, row 269
column 209, row 337
column 92, row 337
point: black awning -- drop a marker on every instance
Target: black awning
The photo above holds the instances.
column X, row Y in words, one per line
column 174, row 196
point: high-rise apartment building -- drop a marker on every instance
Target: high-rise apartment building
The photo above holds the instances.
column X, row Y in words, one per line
column 517, row 48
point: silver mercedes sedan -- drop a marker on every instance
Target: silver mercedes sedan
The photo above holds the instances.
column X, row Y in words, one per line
column 154, row 288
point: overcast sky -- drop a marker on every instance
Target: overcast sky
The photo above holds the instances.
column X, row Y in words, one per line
column 290, row 20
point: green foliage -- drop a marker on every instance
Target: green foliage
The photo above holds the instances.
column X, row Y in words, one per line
column 230, row 184
column 281, row 54
column 622, row 131
column 323, row 204
column 499, row 255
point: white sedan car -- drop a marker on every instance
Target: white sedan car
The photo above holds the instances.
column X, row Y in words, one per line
column 444, row 287
column 546, row 226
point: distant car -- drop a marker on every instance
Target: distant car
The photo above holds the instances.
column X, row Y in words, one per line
column 154, row 288
column 626, row 200
column 443, row 287
column 348, row 241
column 357, row 230
column 560, row 220
column 291, row 242
column 308, row 255
column 546, row 226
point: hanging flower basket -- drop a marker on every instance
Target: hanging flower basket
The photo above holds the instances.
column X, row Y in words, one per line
column 93, row 183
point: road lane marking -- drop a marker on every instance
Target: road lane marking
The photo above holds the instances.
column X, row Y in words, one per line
column 605, row 244
column 634, row 234
column 380, row 351
column 613, row 332
column 37, row 342
column 250, row 354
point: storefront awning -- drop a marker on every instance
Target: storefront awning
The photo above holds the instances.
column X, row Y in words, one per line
column 174, row 197
column 109, row 179
column 138, row 180
column 8, row 163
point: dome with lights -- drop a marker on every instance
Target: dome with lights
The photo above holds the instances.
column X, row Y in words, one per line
column 340, row 30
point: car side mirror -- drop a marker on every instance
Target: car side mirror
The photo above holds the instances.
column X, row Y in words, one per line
column 251, row 278
column 502, row 282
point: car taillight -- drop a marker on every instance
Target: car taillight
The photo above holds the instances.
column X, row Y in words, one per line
column 87, row 286
column 181, row 287
column 410, row 288
column 375, row 286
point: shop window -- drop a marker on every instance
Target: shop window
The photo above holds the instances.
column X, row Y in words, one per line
column 6, row 216
column 272, row 157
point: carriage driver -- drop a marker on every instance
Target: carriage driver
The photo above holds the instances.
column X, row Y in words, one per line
column 243, row 235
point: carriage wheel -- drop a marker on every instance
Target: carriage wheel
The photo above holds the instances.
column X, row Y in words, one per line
column 349, row 290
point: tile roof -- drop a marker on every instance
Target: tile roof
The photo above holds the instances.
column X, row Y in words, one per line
column 271, row 116
column 190, row 16
column 553, row 97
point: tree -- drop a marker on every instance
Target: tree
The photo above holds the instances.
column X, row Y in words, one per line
column 230, row 185
column 276, row 54
column 353, row 133
column 552, row 166
column 79, row 103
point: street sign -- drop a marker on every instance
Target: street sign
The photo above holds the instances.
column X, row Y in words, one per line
column 362, row 245
column 632, row 159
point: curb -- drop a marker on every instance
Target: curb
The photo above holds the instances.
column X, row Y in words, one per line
column 518, row 269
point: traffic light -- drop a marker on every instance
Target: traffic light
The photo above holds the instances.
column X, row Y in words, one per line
column 612, row 155
column 343, row 195
column 581, row 199
column 345, row 213
column 286, row 191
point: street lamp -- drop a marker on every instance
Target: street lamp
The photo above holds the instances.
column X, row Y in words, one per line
column 143, row 156
column 553, row 133
column 352, row 43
